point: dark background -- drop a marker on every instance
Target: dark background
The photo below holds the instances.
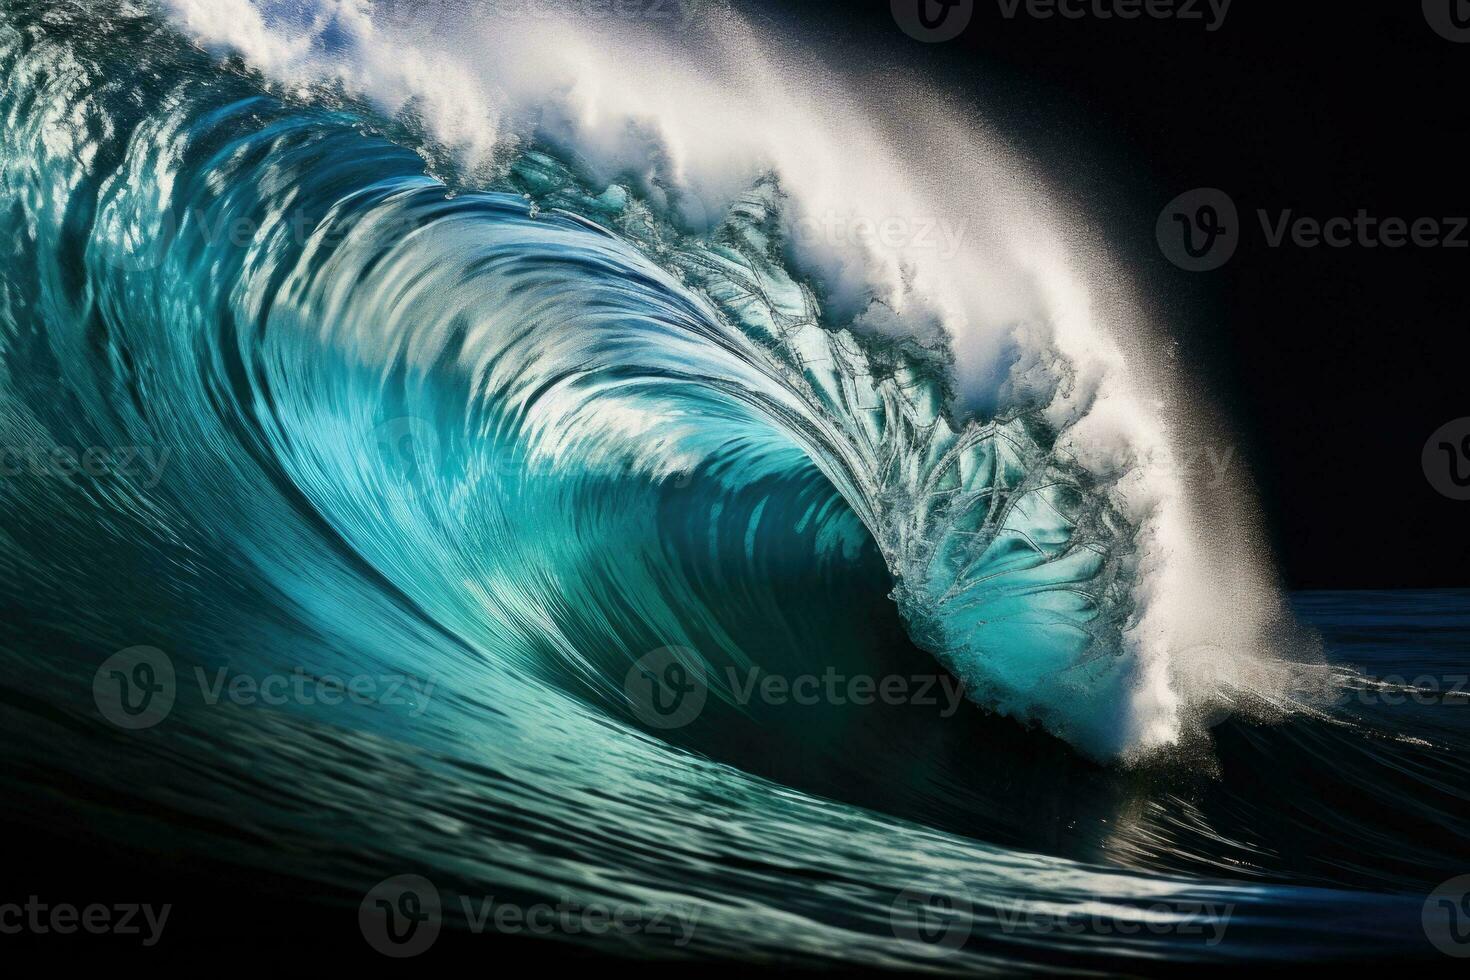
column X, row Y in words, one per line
column 1335, row 364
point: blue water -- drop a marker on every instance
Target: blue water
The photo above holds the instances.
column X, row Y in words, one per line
column 489, row 447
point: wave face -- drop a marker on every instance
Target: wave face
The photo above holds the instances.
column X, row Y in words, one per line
column 1012, row 471
column 443, row 375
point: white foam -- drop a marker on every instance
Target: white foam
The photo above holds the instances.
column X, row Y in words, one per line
column 338, row 40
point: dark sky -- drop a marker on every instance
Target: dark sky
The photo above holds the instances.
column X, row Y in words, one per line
column 1337, row 363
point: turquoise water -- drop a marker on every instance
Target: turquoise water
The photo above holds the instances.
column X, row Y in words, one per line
column 419, row 503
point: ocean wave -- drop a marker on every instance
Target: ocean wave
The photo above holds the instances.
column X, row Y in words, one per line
column 511, row 386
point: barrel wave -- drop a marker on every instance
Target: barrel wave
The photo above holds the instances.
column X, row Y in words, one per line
column 476, row 410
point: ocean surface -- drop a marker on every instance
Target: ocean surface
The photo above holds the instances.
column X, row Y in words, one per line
column 390, row 490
